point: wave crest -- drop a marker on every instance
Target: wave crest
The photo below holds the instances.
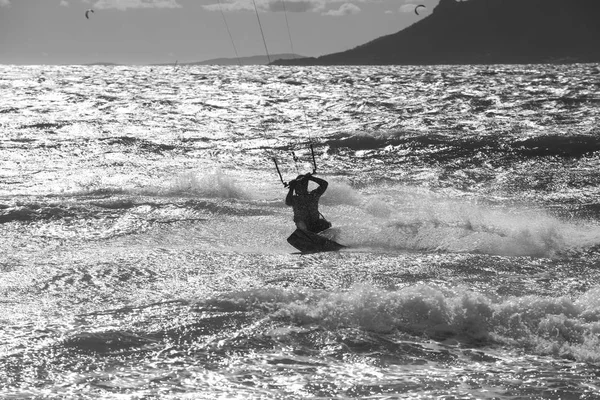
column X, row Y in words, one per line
column 215, row 184
column 557, row 326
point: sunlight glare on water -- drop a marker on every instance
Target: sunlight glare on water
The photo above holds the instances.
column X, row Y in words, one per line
column 143, row 226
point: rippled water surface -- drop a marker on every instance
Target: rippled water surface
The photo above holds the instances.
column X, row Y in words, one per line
column 143, row 251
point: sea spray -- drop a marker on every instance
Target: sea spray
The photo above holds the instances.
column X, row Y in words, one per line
column 213, row 184
column 558, row 326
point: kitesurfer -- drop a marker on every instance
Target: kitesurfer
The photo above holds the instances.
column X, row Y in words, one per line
column 306, row 204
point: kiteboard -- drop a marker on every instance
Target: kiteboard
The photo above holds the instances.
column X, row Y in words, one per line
column 309, row 242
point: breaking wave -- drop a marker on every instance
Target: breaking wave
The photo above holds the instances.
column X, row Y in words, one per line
column 558, row 326
column 215, row 184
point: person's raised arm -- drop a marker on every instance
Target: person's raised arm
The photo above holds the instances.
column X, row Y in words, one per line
column 321, row 182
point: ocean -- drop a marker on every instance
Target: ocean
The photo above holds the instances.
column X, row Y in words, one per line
column 143, row 230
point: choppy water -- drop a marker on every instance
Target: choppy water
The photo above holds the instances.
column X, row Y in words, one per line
column 142, row 233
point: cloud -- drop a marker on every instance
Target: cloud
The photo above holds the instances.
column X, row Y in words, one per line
column 407, row 8
column 295, row 6
column 4, row 3
column 64, row 3
column 235, row 5
column 267, row 5
column 125, row 4
column 288, row 6
column 345, row 9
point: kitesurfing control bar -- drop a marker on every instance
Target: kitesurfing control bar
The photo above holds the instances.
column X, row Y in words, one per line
column 314, row 172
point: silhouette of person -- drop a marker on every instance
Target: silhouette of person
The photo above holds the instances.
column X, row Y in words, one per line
column 306, row 204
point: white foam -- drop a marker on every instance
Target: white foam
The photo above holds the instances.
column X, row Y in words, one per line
column 214, row 184
column 413, row 219
column 560, row 326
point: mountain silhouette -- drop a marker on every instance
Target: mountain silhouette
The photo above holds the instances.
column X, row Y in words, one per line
column 485, row 32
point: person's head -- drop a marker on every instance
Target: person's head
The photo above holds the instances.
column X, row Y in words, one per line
column 301, row 185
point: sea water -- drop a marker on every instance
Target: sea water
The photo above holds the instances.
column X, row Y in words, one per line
column 143, row 229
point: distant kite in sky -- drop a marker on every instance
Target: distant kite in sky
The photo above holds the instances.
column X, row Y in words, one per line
column 417, row 8
column 88, row 12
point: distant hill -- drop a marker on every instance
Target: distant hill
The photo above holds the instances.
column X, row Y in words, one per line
column 485, row 32
column 253, row 60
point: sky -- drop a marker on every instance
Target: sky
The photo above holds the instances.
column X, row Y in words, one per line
column 169, row 31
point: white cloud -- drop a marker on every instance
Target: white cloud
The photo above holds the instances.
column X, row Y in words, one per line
column 64, row 3
column 4, row 3
column 295, row 6
column 267, row 5
column 345, row 9
column 125, row 4
column 410, row 8
column 288, row 6
column 234, row 5
column 230, row 6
